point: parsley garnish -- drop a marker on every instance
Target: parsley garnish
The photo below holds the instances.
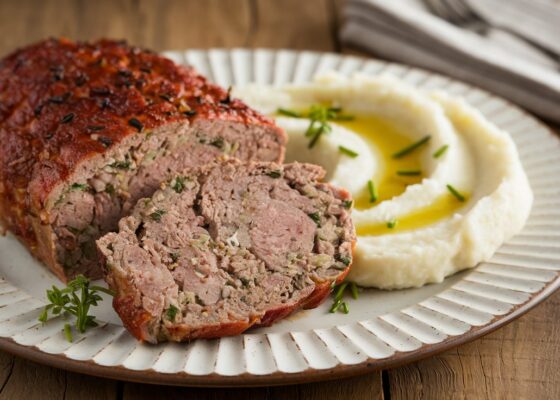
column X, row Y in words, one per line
column 392, row 223
column 67, row 301
column 347, row 204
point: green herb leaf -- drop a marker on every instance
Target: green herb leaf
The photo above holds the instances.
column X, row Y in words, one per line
column 68, row 332
column 121, row 164
column 343, row 259
column 441, row 151
column 109, row 188
column 156, row 215
column 456, row 193
column 174, row 257
column 348, row 152
column 373, row 196
column 409, row 172
column 218, row 142
column 409, row 149
column 66, row 300
column 179, row 184
column 316, row 218
column 171, row 312
column 347, row 204
column 274, row 174
column 354, row 290
column 79, row 186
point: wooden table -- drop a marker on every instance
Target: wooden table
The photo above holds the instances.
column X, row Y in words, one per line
column 519, row 361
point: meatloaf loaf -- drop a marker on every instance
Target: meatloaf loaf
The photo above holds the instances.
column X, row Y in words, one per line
column 228, row 246
column 89, row 128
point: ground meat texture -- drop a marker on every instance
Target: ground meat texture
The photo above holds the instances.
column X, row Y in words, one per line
column 228, row 246
column 89, row 128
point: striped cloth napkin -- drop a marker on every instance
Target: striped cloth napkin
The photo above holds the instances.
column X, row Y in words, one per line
column 406, row 31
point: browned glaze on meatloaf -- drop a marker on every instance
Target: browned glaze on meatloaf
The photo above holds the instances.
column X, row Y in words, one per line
column 69, row 108
column 228, row 246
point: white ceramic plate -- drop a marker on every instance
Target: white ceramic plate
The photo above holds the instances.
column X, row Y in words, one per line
column 383, row 329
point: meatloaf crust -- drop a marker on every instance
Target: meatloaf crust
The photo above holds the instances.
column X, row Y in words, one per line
column 63, row 103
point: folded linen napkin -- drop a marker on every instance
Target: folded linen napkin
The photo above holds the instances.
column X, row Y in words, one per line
column 406, row 31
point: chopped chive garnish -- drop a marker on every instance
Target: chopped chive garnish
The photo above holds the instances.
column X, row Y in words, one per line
column 354, row 290
column 409, row 149
column 348, row 152
column 441, row 151
column 372, row 192
column 455, row 193
column 317, row 134
column 347, row 204
column 335, row 306
column 409, row 172
column 288, row 113
column 340, row 291
column 319, row 117
column 345, row 308
column 392, row 223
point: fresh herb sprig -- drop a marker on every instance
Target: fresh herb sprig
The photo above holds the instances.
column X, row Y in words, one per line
column 319, row 117
column 338, row 295
column 75, row 299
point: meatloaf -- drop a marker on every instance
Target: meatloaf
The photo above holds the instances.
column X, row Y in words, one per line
column 89, row 128
column 228, row 246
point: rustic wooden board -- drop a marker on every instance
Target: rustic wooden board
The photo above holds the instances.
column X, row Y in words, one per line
column 521, row 360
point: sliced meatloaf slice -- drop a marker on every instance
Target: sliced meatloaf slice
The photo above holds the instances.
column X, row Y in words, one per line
column 89, row 128
column 228, row 246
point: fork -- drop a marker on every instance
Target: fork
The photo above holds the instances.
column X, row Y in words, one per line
column 459, row 13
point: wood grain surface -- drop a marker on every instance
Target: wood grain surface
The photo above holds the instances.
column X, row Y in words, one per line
column 519, row 361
